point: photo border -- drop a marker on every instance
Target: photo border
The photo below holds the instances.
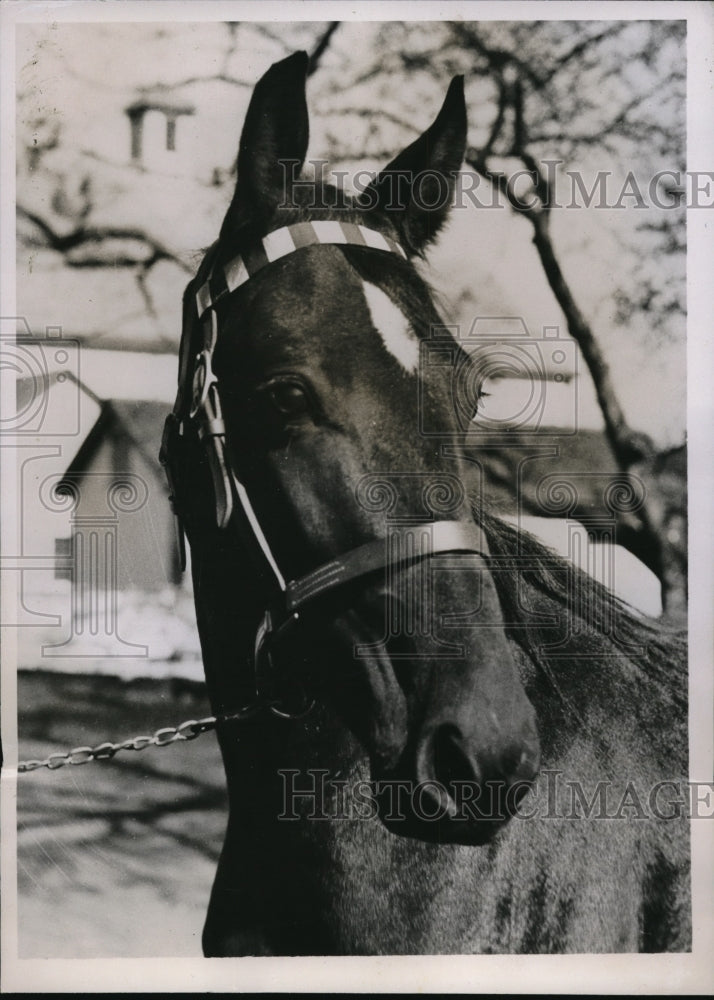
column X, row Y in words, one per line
column 667, row 973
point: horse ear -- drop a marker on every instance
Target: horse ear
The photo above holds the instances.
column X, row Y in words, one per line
column 417, row 187
column 273, row 143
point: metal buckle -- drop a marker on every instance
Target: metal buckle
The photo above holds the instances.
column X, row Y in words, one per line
column 203, row 379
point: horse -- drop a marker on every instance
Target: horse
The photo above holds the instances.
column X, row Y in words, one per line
column 438, row 736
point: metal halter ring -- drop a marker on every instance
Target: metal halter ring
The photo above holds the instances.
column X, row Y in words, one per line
column 282, row 713
column 263, row 664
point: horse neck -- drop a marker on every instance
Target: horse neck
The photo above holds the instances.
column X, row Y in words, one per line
column 591, row 665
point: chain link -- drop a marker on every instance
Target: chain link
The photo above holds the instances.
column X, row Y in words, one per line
column 189, row 730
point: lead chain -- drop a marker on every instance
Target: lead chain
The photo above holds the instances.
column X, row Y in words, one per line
column 188, row 730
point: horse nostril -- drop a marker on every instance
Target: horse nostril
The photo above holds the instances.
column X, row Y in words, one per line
column 488, row 785
column 450, row 760
column 442, row 762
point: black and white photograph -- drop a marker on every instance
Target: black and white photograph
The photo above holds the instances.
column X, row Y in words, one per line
column 357, row 562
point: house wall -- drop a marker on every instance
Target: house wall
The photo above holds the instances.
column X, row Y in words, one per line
column 97, row 573
column 147, row 549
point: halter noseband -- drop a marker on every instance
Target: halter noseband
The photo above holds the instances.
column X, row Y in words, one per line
column 231, row 498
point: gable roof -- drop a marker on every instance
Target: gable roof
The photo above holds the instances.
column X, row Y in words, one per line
column 140, row 420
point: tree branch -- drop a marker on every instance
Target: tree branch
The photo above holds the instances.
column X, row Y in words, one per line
column 628, row 447
column 368, row 113
column 96, row 234
column 498, row 121
column 496, row 59
column 581, row 47
column 321, row 46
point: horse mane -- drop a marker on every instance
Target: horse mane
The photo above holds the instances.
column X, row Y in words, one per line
column 655, row 655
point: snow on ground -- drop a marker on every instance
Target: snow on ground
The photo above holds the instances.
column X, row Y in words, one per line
column 158, row 630
column 161, row 628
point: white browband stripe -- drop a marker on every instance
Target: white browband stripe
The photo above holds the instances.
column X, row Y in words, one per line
column 203, row 299
column 236, row 275
column 282, row 242
column 278, row 244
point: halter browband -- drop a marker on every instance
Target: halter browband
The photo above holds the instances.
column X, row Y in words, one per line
column 402, row 545
column 282, row 242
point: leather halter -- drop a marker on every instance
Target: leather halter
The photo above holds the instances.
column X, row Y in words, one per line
column 413, row 541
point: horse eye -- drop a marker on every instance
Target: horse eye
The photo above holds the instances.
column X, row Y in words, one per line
column 289, row 398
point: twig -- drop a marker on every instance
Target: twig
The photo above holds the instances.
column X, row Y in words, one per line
column 321, row 46
column 96, row 234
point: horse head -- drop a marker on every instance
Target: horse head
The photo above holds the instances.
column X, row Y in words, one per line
column 309, row 487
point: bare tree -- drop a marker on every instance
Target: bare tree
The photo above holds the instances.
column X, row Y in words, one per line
column 521, row 82
column 536, row 95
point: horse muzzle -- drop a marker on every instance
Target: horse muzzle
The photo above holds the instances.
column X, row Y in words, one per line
column 453, row 747
column 420, row 670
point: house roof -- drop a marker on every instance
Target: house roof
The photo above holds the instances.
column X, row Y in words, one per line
column 143, row 421
column 140, row 420
column 170, row 108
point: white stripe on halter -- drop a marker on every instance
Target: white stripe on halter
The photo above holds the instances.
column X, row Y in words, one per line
column 282, row 242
